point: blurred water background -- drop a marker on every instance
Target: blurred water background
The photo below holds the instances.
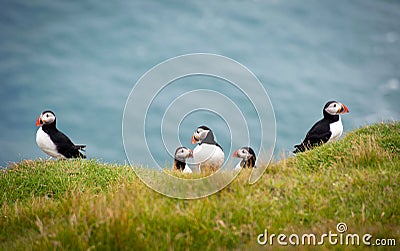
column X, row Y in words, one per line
column 82, row 58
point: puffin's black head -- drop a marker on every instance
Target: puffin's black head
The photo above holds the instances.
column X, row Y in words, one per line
column 46, row 118
column 204, row 127
column 201, row 133
column 332, row 108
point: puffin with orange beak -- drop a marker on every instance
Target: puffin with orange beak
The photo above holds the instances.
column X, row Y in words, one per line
column 53, row 142
column 328, row 129
column 248, row 157
column 208, row 153
column 181, row 154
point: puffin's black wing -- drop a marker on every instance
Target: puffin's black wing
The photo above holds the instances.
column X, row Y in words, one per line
column 210, row 139
column 250, row 163
column 319, row 133
column 179, row 164
column 66, row 147
column 219, row 146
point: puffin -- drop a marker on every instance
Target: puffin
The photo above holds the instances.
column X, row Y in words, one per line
column 248, row 157
column 207, row 153
column 181, row 154
column 53, row 142
column 326, row 130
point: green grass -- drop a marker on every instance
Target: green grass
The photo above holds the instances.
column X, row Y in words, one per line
column 89, row 205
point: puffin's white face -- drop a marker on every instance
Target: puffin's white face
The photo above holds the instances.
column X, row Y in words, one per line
column 242, row 153
column 182, row 153
column 45, row 118
column 336, row 108
column 199, row 135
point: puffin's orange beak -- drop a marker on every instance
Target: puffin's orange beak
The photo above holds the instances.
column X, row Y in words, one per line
column 194, row 140
column 344, row 109
column 39, row 121
column 235, row 154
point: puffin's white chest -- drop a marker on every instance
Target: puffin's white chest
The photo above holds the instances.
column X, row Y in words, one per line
column 44, row 142
column 187, row 169
column 239, row 166
column 336, row 129
column 207, row 154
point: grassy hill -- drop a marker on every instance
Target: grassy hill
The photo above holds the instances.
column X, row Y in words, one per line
column 90, row 205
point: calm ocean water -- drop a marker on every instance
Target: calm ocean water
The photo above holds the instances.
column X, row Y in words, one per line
column 82, row 58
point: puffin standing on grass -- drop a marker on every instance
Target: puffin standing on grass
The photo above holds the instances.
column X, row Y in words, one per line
column 248, row 157
column 208, row 153
column 181, row 154
column 328, row 129
column 52, row 141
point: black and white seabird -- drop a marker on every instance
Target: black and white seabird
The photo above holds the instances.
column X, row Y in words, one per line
column 248, row 157
column 328, row 129
column 52, row 141
column 181, row 154
column 208, row 152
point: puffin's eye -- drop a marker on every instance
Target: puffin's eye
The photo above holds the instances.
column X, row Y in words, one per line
column 243, row 151
column 197, row 131
column 334, row 105
column 47, row 115
column 182, row 151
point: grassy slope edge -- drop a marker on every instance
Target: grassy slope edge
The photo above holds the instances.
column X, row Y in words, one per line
column 85, row 204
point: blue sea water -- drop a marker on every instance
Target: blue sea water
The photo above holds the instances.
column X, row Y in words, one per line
column 82, row 58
